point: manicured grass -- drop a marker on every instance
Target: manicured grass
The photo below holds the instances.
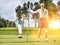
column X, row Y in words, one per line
column 32, row 40
column 9, row 36
column 14, row 31
column 31, row 30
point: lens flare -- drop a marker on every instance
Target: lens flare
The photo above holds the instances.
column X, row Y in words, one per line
column 54, row 24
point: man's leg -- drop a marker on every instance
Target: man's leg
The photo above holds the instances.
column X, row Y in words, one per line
column 46, row 33
column 20, row 31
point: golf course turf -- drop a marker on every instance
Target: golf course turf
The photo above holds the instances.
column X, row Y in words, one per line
column 9, row 36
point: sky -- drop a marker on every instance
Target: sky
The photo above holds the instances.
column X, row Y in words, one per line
column 7, row 8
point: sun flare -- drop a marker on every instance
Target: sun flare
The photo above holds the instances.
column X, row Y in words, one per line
column 54, row 24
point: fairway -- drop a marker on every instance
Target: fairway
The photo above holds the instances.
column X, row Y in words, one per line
column 11, row 39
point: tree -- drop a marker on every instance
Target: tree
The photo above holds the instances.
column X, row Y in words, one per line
column 50, row 6
column 58, row 3
column 36, row 15
column 18, row 11
column 28, row 7
column 37, row 6
column 28, row 4
column 24, row 9
column 31, row 6
column 3, row 22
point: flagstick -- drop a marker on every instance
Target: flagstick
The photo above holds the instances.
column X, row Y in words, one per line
column 28, row 24
column 28, row 28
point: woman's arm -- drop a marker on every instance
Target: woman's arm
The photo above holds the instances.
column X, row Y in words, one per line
column 33, row 11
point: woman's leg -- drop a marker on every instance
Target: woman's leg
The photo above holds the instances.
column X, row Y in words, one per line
column 39, row 34
column 46, row 34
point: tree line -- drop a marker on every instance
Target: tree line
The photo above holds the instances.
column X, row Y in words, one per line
column 6, row 23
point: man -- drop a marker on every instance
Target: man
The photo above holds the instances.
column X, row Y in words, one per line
column 43, row 18
column 19, row 22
